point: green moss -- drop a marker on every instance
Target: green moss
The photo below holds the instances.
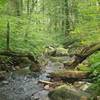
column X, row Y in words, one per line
column 65, row 92
column 56, row 59
column 70, row 73
column 83, row 67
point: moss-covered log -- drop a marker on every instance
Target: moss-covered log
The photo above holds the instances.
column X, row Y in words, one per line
column 69, row 76
column 18, row 54
column 20, row 59
column 86, row 52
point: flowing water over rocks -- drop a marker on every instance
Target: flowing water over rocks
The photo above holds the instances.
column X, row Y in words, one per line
column 23, row 85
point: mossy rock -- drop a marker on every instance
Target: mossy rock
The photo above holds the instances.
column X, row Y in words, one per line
column 61, row 51
column 56, row 59
column 35, row 67
column 65, row 92
column 13, row 63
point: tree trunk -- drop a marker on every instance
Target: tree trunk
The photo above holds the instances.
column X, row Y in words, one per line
column 8, row 36
column 16, row 7
column 67, row 23
column 69, row 76
column 28, row 7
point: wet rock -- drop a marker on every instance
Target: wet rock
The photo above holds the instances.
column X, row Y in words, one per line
column 17, row 67
column 34, row 98
column 40, row 95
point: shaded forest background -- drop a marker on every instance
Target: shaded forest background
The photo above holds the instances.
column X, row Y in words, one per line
column 35, row 24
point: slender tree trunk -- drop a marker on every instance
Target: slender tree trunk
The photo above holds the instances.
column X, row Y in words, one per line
column 28, row 7
column 34, row 2
column 21, row 6
column 16, row 7
column 67, row 23
column 8, row 36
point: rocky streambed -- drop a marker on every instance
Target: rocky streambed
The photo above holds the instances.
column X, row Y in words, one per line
column 26, row 85
column 23, row 84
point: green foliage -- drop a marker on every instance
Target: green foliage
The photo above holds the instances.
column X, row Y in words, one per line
column 2, row 2
column 88, row 20
column 45, row 23
column 94, row 61
column 27, row 32
column 95, row 87
column 83, row 67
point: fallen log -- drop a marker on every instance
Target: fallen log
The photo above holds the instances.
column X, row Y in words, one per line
column 69, row 76
column 18, row 59
column 18, row 54
column 84, row 54
column 45, row 82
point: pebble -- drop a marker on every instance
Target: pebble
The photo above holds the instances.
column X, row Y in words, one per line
column 46, row 87
column 5, row 82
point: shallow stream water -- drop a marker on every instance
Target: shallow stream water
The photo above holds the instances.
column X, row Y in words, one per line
column 22, row 84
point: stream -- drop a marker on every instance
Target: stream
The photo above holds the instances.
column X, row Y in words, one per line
column 23, row 84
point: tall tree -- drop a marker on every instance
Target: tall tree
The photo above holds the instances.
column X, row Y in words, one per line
column 16, row 7
column 67, row 23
